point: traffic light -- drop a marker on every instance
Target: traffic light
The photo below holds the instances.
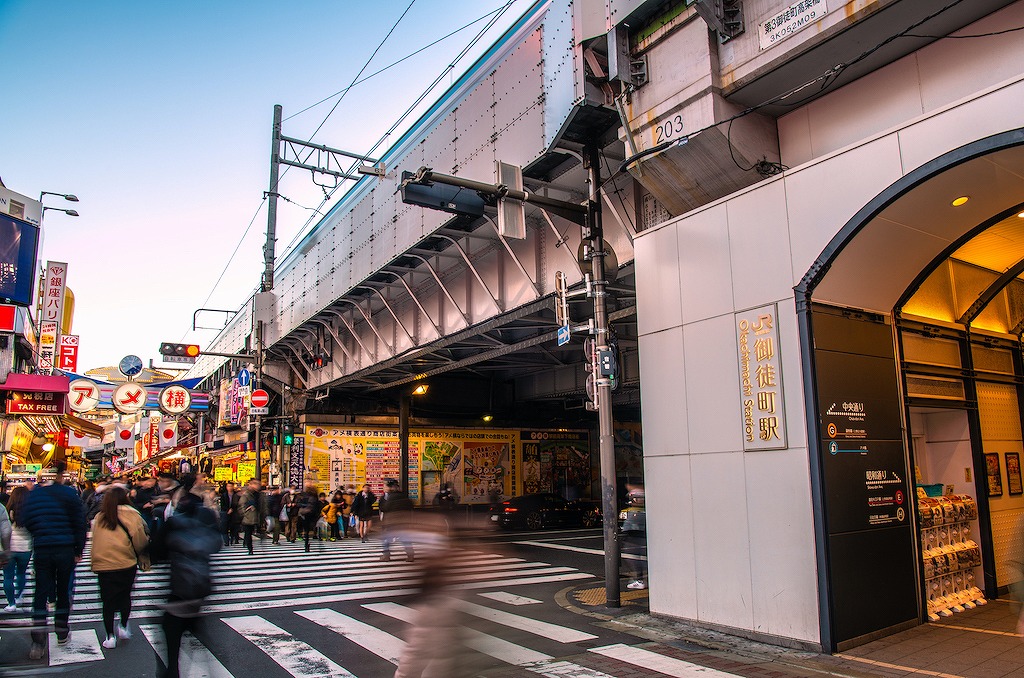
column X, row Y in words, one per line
column 288, row 433
column 180, row 350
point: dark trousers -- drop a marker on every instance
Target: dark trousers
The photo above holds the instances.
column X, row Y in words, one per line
column 53, row 568
column 116, row 595
column 308, row 527
column 396, row 534
column 174, row 627
column 247, row 531
column 225, row 528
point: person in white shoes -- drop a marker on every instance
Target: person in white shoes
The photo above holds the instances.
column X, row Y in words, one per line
column 20, row 553
column 118, row 536
column 634, row 531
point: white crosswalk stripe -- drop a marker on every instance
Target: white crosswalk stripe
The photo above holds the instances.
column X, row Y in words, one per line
column 194, row 659
column 293, row 655
column 356, row 574
column 284, row 576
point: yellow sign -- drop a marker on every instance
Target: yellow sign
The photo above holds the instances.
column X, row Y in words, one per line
column 223, row 473
column 246, row 471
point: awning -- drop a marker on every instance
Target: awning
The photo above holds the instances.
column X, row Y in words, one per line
column 82, row 427
column 36, row 383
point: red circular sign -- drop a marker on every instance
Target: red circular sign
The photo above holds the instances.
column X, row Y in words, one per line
column 168, row 433
column 899, row 496
column 126, row 433
column 259, row 398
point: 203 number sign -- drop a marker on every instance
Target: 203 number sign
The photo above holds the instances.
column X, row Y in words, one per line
column 668, row 130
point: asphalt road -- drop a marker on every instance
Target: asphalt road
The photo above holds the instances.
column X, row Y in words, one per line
column 340, row 611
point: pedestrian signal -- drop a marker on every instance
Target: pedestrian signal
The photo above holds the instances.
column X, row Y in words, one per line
column 288, row 433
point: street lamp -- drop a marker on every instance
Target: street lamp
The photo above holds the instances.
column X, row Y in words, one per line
column 70, row 197
column 404, row 413
column 70, row 213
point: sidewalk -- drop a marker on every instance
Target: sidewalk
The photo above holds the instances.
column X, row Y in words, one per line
column 980, row 643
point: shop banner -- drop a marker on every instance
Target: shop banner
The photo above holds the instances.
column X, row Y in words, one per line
column 67, row 353
column 557, row 461
column 297, row 463
column 168, row 438
column 223, row 473
column 246, row 471
column 54, row 284
column 21, row 402
column 47, row 345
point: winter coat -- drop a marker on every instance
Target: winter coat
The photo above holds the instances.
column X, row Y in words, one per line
column 5, row 530
column 332, row 510
column 187, row 540
column 251, row 507
column 362, row 505
column 349, row 498
column 54, row 516
column 111, row 549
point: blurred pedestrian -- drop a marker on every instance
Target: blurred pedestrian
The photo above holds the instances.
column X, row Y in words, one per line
column 349, row 496
column 119, row 536
column 291, row 506
column 252, row 512
column 20, row 552
column 308, row 505
column 275, row 504
column 396, row 520
column 634, row 532
column 362, row 507
column 54, row 516
column 187, row 541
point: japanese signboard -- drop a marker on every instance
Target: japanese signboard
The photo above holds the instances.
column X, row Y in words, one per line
column 54, row 284
column 556, row 461
column 36, row 403
column 129, row 398
column 175, row 399
column 761, row 394
column 793, row 19
column 83, row 395
column 67, row 353
column 47, row 345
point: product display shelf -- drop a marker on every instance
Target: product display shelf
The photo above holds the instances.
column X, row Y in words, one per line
column 950, row 554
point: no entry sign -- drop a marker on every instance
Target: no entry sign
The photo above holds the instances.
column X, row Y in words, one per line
column 259, row 398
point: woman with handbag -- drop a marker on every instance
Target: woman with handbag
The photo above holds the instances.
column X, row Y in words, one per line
column 119, row 542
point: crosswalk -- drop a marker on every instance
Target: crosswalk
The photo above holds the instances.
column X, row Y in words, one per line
column 375, row 624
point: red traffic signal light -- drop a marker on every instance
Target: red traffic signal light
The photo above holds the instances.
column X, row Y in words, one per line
column 180, row 350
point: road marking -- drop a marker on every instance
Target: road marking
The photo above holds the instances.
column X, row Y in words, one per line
column 561, row 634
column 381, row 643
column 291, row 654
column 566, row 670
column 577, row 549
column 500, row 649
column 670, row 666
column 194, row 660
column 509, row 598
column 522, row 581
column 82, row 646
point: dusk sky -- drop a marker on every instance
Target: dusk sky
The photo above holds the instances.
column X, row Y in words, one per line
column 157, row 115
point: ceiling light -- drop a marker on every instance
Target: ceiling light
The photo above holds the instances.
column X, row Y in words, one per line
column 420, row 390
column 487, row 417
column 48, row 447
column 962, row 200
column 1020, row 215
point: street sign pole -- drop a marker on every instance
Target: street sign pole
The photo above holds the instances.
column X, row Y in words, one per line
column 594, row 232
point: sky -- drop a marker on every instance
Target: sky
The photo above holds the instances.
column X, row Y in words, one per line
column 158, row 116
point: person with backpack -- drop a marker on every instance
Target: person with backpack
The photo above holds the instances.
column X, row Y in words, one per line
column 119, row 536
column 187, row 540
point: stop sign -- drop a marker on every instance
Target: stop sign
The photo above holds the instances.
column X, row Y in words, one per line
column 259, row 398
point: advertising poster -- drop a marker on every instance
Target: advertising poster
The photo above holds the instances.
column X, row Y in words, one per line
column 478, row 465
column 556, row 461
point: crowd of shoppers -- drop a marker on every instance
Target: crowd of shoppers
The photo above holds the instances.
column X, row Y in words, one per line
column 180, row 521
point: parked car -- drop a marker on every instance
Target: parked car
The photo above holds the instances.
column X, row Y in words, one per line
column 537, row 511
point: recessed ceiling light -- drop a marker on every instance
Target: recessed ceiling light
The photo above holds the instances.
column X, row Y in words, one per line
column 1020, row 215
column 961, row 201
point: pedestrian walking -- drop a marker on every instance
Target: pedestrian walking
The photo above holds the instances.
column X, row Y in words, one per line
column 349, row 496
column 333, row 514
column 308, row 505
column 54, row 516
column 634, row 533
column 16, row 567
column 187, row 541
column 252, row 512
column 396, row 520
column 362, row 507
column 275, row 506
column 291, row 506
column 119, row 538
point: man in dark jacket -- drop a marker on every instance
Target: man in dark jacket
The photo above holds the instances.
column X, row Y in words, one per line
column 308, row 506
column 396, row 520
column 54, row 515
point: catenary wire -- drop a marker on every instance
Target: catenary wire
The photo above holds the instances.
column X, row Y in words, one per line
column 395, row 63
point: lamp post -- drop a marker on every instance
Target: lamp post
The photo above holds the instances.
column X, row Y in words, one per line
column 70, row 197
column 404, row 412
column 70, row 213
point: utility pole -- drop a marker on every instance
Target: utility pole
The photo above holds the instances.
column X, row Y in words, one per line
column 588, row 217
column 594, row 231
column 267, row 284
